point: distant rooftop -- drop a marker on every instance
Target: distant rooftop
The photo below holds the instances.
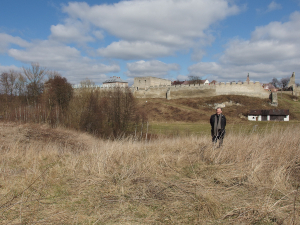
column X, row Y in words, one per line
column 275, row 112
column 115, row 79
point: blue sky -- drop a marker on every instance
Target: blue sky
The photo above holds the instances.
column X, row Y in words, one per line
column 173, row 39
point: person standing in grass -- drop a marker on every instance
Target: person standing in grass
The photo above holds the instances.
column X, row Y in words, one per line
column 218, row 123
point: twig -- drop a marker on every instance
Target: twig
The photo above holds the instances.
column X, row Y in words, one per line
column 32, row 183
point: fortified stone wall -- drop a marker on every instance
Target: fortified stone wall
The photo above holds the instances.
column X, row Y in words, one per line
column 192, row 91
column 200, row 90
column 248, row 89
column 146, row 82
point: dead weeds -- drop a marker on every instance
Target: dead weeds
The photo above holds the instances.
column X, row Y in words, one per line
column 59, row 176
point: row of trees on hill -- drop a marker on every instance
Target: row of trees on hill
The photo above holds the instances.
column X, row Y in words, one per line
column 42, row 96
column 277, row 83
column 282, row 83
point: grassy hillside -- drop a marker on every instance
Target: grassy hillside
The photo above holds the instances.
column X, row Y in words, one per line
column 200, row 109
column 186, row 116
column 57, row 176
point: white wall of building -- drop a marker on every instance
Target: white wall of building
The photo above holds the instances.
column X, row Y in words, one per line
column 258, row 118
column 252, row 118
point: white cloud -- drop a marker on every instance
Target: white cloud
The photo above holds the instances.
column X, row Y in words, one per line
column 172, row 24
column 272, row 51
column 182, row 77
column 65, row 59
column 8, row 68
column 134, row 50
column 6, row 40
column 152, row 68
column 283, row 32
column 73, row 31
column 273, row 6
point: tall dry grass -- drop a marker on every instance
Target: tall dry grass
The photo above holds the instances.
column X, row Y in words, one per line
column 64, row 177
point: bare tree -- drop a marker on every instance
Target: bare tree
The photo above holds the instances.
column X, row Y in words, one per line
column 275, row 82
column 87, row 83
column 58, row 91
column 194, row 79
column 8, row 82
column 21, row 85
column 4, row 83
column 284, row 82
column 35, row 76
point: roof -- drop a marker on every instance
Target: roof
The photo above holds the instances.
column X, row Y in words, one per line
column 114, row 80
column 268, row 86
column 272, row 112
column 176, row 82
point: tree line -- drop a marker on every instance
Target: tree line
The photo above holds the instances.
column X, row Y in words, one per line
column 39, row 95
column 282, row 83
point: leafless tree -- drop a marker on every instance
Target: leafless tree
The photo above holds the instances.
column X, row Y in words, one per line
column 8, row 82
column 21, row 85
column 58, row 91
column 4, row 83
column 35, row 76
column 194, row 79
column 284, row 82
column 275, row 82
column 87, row 83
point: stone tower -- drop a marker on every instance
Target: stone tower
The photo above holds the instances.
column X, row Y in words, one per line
column 292, row 80
column 292, row 84
column 248, row 79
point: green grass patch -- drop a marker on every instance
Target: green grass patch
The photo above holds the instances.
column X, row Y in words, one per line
column 188, row 128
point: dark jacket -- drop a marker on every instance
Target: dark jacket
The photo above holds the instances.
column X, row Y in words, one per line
column 212, row 122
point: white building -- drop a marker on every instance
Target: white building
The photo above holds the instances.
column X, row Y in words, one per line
column 114, row 82
column 269, row 115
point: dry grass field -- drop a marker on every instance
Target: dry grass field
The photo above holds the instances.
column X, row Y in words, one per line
column 58, row 176
column 199, row 109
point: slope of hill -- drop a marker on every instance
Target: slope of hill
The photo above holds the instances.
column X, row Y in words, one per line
column 200, row 109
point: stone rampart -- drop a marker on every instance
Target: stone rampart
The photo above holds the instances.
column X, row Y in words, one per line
column 248, row 89
column 199, row 90
column 146, row 82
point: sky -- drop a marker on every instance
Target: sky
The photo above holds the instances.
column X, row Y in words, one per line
column 221, row 40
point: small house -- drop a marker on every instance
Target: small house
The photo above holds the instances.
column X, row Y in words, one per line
column 114, row 82
column 269, row 115
column 269, row 87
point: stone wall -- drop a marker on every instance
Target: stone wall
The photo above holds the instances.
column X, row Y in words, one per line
column 142, row 83
column 200, row 90
column 248, row 89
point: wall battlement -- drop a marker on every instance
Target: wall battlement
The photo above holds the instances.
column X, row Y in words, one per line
column 200, row 90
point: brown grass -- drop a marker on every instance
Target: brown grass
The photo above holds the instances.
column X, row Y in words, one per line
column 200, row 109
column 64, row 177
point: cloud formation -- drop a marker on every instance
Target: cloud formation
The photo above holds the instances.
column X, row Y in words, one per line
column 152, row 68
column 7, row 40
column 153, row 28
column 272, row 51
column 72, row 31
column 273, row 6
column 63, row 58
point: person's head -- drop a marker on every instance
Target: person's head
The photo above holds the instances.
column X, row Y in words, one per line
column 218, row 111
